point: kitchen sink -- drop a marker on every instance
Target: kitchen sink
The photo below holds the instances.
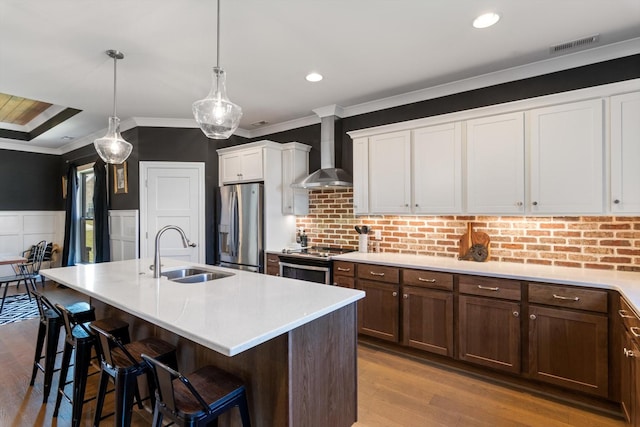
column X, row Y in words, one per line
column 194, row 275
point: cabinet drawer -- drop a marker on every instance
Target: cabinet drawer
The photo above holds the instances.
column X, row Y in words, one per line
column 428, row 279
column 342, row 268
column 568, row 297
column 273, row 265
column 628, row 316
column 378, row 273
column 488, row 287
column 344, row 281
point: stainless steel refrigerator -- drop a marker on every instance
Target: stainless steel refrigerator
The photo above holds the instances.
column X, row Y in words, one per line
column 240, row 227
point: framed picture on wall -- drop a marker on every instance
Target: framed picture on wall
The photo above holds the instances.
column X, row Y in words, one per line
column 120, row 185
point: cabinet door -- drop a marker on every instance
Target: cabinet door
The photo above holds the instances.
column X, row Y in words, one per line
column 566, row 159
column 625, row 153
column 437, row 169
column 495, row 164
column 569, row 348
column 241, row 166
column 390, row 173
column 379, row 310
column 427, row 320
column 295, row 166
column 626, row 373
column 489, row 332
column 361, row 176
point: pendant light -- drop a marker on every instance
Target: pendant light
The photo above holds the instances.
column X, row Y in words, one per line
column 112, row 148
column 217, row 116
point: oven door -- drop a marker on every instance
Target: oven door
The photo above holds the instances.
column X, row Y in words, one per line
column 310, row 273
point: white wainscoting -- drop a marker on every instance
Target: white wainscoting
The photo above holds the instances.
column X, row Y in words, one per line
column 124, row 228
column 21, row 229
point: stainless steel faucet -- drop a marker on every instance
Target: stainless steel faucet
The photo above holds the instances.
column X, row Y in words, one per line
column 156, row 259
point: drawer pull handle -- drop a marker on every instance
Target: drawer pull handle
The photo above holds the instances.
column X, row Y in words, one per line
column 624, row 315
column 426, row 280
column 273, row 260
column 634, row 330
column 373, row 273
column 628, row 353
column 488, row 288
column 566, row 298
column 343, row 269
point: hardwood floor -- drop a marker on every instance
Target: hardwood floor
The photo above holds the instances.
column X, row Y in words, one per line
column 393, row 391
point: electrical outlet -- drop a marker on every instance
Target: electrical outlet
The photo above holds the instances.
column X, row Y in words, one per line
column 377, row 234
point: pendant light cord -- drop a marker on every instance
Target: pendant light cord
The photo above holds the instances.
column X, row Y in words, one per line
column 218, row 35
column 115, row 60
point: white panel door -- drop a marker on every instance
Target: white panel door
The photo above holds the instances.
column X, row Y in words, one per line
column 567, row 147
column 437, row 171
column 390, row 173
column 172, row 194
column 495, row 164
column 625, row 153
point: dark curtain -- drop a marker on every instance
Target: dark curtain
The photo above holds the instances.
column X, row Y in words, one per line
column 70, row 220
column 101, row 213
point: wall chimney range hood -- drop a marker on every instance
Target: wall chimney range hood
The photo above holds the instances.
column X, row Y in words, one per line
column 328, row 176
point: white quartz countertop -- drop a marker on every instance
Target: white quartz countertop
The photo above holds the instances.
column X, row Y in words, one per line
column 228, row 315
column 627, row 283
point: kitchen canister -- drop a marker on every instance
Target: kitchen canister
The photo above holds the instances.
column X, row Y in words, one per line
column 363, row 243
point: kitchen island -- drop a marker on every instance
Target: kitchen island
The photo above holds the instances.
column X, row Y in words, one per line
column 292, row 342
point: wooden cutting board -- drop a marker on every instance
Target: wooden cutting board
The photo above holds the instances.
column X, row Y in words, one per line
column 474, row 245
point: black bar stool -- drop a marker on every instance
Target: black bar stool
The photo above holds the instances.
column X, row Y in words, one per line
column 198, row 401
column 80, row 339
column 49, row 332
column 123, row 364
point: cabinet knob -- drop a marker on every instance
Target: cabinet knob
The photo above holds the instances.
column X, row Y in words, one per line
column 535, row 203
column 532, row 316
column 406, row 205
column 519, row 203
column 417, row 205
column 616, row 201
column 628, row 353
column 405, row 296
column 395, row 294
column 516, row 314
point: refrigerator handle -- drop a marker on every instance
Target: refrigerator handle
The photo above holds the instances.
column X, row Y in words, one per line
column 233, row 224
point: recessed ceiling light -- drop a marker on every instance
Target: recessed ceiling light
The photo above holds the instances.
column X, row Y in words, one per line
column 67, row 138
column 486, row 20
column 314, row 77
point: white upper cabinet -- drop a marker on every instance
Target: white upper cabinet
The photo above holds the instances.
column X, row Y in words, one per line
column 495, row 164
column 567, row 159
column 390, row 173
column 242, row 165
column 625, row 154
column 295, row 167
column 437, row 169
column 361, row 176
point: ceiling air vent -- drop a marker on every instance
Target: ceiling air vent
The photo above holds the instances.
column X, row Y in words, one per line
column 574, row 44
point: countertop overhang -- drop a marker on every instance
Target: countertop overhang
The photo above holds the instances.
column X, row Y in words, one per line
column 625, row 282
column 228, row 315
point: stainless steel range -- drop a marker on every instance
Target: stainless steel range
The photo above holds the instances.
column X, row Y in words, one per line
column 312, row 264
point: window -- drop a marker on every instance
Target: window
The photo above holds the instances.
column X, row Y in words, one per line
column 86, row 181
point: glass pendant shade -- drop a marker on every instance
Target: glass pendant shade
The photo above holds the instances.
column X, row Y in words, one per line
column 217, row 116
column 112, row 148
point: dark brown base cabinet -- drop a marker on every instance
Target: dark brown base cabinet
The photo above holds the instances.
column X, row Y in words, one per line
column 273, row 265
column 569, row 349
column 550, row 335
column 629, row 353
column 427, row 319
column 489, row 332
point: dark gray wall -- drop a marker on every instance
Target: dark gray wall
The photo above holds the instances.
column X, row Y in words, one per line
column 30, row 181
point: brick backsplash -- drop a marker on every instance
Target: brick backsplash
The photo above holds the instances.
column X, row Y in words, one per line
column 598, row 242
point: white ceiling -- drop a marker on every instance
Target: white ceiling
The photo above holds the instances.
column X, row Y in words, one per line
column 367, row 50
